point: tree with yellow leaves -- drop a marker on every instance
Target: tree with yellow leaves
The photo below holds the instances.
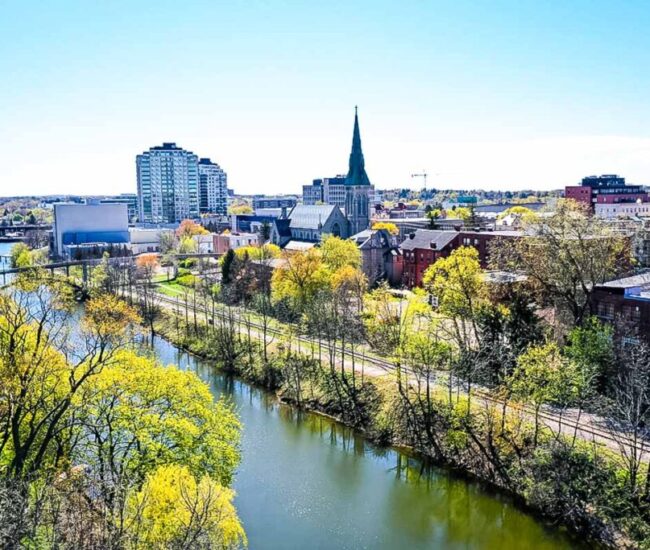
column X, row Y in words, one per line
column 387, row 226
column 176, row 509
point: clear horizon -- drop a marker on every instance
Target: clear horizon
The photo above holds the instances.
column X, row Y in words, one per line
column 482, row 95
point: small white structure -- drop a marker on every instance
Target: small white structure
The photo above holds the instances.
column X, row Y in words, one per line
column 89, row 225
column 146, row 239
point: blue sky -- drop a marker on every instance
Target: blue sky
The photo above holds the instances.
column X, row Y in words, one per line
column 499, row 94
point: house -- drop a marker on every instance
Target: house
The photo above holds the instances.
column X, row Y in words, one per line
column 625, row 301
column 424, row 246
column 376, row 247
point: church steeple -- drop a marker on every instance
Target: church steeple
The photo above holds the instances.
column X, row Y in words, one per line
column 357, row 171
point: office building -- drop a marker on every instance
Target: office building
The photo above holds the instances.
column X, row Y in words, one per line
column 213, row 188
column 605, row 189
column 131, row 201
column 168, row 184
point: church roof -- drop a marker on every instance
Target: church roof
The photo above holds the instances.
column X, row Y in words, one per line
column 357, row 171
column 304, row 216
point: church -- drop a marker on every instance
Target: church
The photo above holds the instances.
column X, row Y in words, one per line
column 350, row 195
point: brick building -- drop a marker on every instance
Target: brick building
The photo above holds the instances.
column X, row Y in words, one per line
column 605, row 189
column 625, row 301
column 424, row 246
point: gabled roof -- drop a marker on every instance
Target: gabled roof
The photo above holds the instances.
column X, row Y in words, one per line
column 423, row 238
column 364, row 239
column 282, row 227
column 311, row 216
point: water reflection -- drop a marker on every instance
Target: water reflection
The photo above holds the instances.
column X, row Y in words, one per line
column 308, row 482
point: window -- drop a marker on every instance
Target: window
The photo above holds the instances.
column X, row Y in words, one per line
column 605, row 310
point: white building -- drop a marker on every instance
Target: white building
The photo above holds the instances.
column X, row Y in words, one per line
column 168, row 184
column 89, row 226
column 213, row 188
column 623, row 210
column 146, row 239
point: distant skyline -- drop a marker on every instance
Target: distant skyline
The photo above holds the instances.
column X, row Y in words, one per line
column 495, row 95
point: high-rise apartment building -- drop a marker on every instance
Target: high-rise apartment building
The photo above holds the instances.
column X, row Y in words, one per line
column 168, row 184
column 213, row 188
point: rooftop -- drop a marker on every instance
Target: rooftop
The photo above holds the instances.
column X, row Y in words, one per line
column 429, row 238
column 310, row 216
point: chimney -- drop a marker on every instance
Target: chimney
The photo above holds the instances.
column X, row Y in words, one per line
column 411, row 235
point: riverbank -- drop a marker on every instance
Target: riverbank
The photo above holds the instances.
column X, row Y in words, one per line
column 567, row 483
column 306, row 481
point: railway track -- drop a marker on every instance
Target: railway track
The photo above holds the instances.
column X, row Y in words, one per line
column 566, row 424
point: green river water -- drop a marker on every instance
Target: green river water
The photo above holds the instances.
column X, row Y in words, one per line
column 306, row 482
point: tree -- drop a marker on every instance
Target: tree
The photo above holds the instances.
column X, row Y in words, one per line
column 227, row 267
column 457, row 284
column 20, row 255
column 146, row 268
column 565, row 257
column 187, row 245
column 337, row 252
column 189, row 228
column 298, row 282
column 85, row 426
column 387, row 226
column 542, row 376
column 240, row 209
column 175, row 509
column 168, row 241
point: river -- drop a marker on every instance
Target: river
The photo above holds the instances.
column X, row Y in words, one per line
column 306, row 482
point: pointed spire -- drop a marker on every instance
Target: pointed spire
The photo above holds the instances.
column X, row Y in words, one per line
column 357, row 172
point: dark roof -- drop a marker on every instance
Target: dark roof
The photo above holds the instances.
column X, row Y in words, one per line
column 357, row 172
column 305, row 216
column 423, row 238
column 282, row 227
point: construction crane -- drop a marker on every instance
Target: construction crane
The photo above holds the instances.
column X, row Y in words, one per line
column 423, row 175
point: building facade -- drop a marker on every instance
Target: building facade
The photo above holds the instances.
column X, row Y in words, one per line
column 626, row 304
column 605, row 189
column 357, row 185
column 213, row 188
column 325, row 191
column 168, row 184
column 263, row 202
column 91, row 226
column 423, row 247
column 131, row 201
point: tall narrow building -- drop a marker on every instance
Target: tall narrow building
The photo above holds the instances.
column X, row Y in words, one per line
column 357, row 185
column 213, row 188
column 168, row 184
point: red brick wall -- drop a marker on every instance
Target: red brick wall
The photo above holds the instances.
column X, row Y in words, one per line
column 624, row 197
column 580, row 193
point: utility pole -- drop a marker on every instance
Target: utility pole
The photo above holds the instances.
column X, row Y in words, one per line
column 423, row 175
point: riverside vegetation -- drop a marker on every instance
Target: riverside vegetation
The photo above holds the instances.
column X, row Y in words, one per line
column 480, row 335
column 101, row 447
